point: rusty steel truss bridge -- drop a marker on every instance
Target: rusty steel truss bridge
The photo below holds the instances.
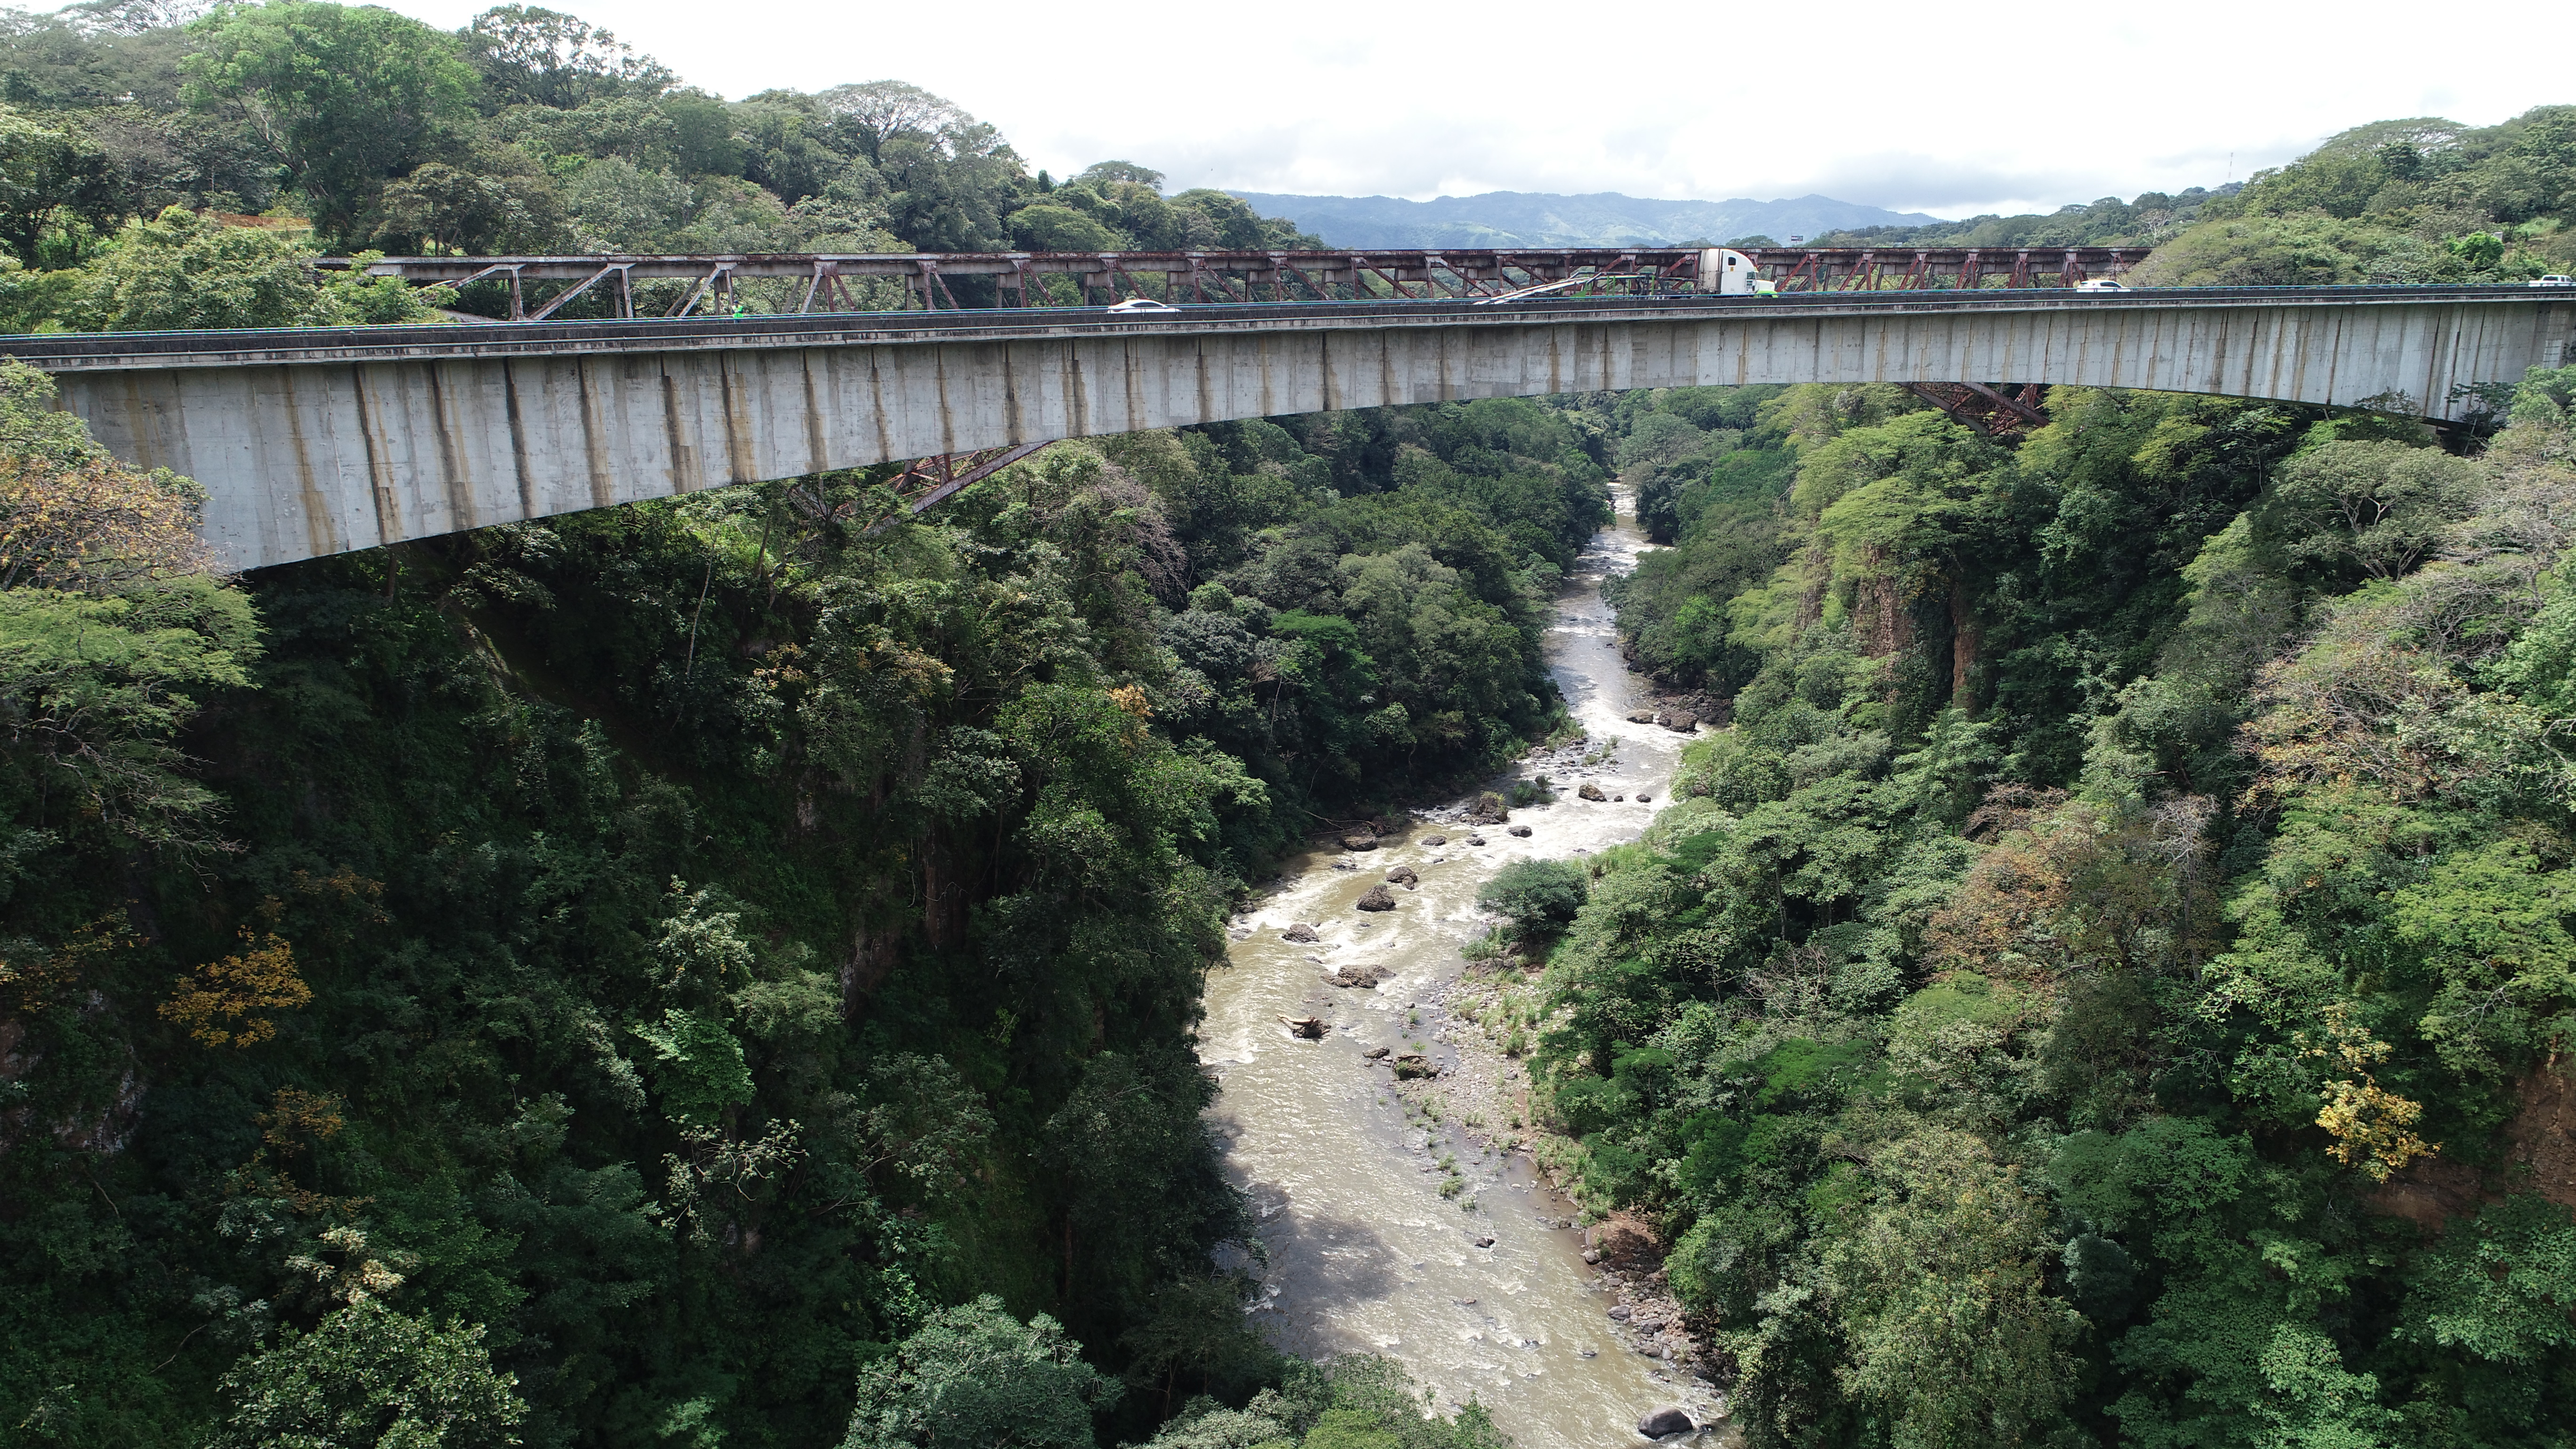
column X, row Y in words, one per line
column 537, row 288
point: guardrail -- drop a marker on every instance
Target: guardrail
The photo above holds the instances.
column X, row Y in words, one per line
column 106, row 351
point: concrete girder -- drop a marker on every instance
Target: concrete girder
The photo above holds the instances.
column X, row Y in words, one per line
column 313, row 443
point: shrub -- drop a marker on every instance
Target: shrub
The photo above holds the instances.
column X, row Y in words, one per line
column 1539, row 895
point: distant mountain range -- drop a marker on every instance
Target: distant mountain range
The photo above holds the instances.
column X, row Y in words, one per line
column 1527, row 218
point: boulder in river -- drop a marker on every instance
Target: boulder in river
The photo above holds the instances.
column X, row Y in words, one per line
column 1309, row 1027
column 1379, row 898
column 1619, row 1312
column 1375, row 1054
column 1409, row 1065
column 1436, row 840
column 1404, row 876
column 1643, row 797
column 1483, row 1241
column 1643, row 716
column 1591, row 791
column 1489, row 810
column 1682, row 724
column 1353, row 976
column 1475, row 840
column 1301, row 933
column 1669, row 1420
column 1359, row 842
column 1520, row 830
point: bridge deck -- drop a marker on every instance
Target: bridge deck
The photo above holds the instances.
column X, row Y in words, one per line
column 318, row 441
column 130, row 351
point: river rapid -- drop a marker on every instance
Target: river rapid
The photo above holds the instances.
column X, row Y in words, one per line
column 1364, row 1253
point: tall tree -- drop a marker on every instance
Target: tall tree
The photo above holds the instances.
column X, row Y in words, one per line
column 347, row 97
column 49, row 175
column 535, row 56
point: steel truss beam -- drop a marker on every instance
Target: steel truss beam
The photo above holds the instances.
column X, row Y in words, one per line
column 931, row 479
column 1996, row 410
column 1239, row 276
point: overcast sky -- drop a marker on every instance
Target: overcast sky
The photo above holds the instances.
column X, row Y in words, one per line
column 1912, row 106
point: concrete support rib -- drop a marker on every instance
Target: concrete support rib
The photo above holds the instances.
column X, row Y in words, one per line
column 315, row 443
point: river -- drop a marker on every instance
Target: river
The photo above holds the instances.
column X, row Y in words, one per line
column 1364, row 1251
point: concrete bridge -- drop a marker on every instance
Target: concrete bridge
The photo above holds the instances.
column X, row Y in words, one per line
column 322, row 441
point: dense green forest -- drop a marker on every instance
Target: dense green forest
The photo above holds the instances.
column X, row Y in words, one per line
column 720, row 971
column 723, row 971
column 2110, row 980
column 351, row 128
column 665, row 954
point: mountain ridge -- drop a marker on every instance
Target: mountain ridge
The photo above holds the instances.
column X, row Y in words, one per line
column 1537, row 218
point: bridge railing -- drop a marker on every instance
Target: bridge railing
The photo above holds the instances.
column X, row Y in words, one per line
column 537, row 288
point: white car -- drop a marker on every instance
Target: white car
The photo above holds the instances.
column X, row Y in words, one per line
column 2553, row 280
column 2101, row 284
column 1141, row 304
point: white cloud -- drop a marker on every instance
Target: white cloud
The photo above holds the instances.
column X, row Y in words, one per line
column 1891, row 104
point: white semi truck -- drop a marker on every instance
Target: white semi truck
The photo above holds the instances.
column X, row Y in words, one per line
column 1727, row 272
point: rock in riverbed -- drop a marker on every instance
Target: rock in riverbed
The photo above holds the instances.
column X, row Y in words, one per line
column 1520, row 830
column 1436, row 840
column 1359, row 842
column 1353, row 976
column 1404, row 876
column 1301, row 933
column 1379, row 898
column 1668, row 1420
column 1591, row 791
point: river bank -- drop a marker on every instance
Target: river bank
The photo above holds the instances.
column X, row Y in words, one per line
column 1405, row 1217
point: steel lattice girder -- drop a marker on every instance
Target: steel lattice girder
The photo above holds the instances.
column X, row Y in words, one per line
column 1241, row 276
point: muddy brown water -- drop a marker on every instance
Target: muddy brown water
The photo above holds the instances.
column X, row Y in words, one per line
column 1363, row 1252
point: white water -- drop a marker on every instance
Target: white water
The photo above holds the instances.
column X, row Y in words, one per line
column 1364, row 1254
